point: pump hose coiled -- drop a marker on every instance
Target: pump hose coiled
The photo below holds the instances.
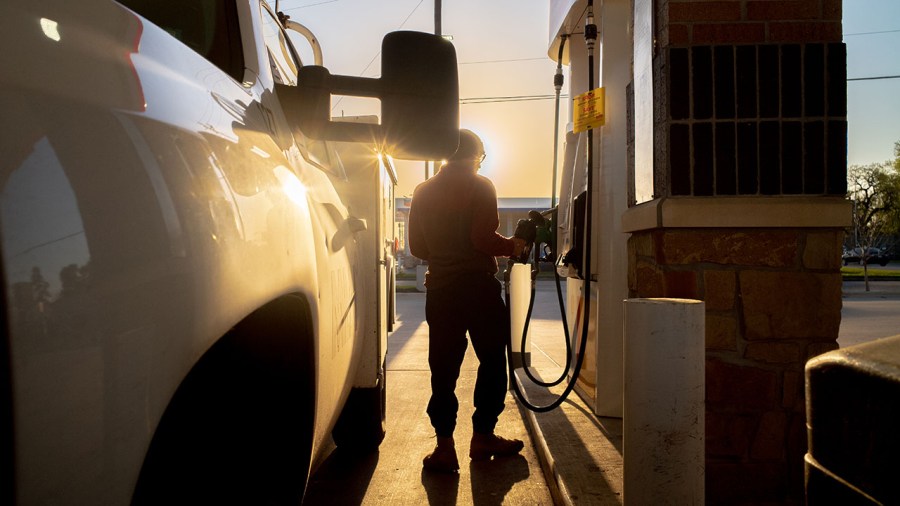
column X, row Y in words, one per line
column 590, row 35
column 565, row 324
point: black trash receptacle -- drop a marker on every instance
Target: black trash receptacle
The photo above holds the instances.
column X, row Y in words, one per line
column 853, row 421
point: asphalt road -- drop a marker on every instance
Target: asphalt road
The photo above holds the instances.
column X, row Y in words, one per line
column 868, row 315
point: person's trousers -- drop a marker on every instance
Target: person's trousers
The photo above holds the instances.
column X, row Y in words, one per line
column 473, row 304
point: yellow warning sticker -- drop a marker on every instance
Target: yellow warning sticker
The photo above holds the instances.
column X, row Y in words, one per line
column 589, row 110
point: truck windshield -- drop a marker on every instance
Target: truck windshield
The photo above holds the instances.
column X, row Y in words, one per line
column 209, row 27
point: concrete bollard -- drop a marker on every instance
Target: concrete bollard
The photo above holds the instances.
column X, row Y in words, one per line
column 519, row 297
column 664, row 418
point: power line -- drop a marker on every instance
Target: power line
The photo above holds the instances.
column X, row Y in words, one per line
column 526, row 98
column 379, row 51
column 514, row 98
column 411, row 13
column 871, row 78
column 503, row 61
column 310, row 5
column 870, row 33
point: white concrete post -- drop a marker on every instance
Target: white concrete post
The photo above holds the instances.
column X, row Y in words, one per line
column 663, row 433
column 519, row 297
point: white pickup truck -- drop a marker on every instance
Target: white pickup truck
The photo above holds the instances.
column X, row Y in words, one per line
column 196, row 260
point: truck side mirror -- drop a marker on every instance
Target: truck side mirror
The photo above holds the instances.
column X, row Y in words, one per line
column 419, row 93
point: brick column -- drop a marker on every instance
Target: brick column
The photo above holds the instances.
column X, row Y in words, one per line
column 748, row 213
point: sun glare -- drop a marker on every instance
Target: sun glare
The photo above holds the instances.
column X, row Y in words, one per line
column 293, row 188
column 51, row 29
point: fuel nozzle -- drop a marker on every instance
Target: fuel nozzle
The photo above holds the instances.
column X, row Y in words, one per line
column 527, row 230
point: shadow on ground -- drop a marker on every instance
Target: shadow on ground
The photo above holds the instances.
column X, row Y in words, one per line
column 343, row 478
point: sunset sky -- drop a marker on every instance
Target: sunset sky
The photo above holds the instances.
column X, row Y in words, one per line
column 502, row 51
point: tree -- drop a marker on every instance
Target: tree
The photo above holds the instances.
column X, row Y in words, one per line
column 875, row 192
column 897, row 156
column 893, row 185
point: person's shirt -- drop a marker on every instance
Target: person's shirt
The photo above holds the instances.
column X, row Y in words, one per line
column 453, row 223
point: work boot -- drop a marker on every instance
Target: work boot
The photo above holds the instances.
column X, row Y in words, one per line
column 485, row 446
column 443, row 458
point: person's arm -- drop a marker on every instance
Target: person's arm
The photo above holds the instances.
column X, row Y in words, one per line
column 417, row 245
column 486, row 220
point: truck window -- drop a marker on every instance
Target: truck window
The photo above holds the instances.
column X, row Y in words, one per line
column 209, row 27
column 281, row 57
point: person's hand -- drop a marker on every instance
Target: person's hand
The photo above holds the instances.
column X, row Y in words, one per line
column 519, row 247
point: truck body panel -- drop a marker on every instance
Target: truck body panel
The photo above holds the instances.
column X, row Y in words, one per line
column 151, row 200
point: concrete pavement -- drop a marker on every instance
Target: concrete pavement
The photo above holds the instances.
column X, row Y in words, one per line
column 394, row 475
column 573, row 457
column 579, row 453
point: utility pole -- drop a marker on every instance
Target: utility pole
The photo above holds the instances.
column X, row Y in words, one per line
column 437, row 17
column 437, row 31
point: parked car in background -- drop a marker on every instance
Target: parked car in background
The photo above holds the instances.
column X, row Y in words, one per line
column 873, row 256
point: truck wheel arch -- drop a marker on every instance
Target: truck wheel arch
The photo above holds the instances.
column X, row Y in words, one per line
column 240, row 426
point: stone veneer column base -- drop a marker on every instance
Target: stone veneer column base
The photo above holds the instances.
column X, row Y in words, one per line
column 769, row 272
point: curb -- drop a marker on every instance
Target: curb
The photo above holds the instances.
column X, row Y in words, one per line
column 555, row 483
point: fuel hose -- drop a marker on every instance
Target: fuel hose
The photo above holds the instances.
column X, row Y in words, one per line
column 590, row 36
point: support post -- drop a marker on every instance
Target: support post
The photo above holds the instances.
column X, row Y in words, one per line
column 519, row 297
column 663, row 438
